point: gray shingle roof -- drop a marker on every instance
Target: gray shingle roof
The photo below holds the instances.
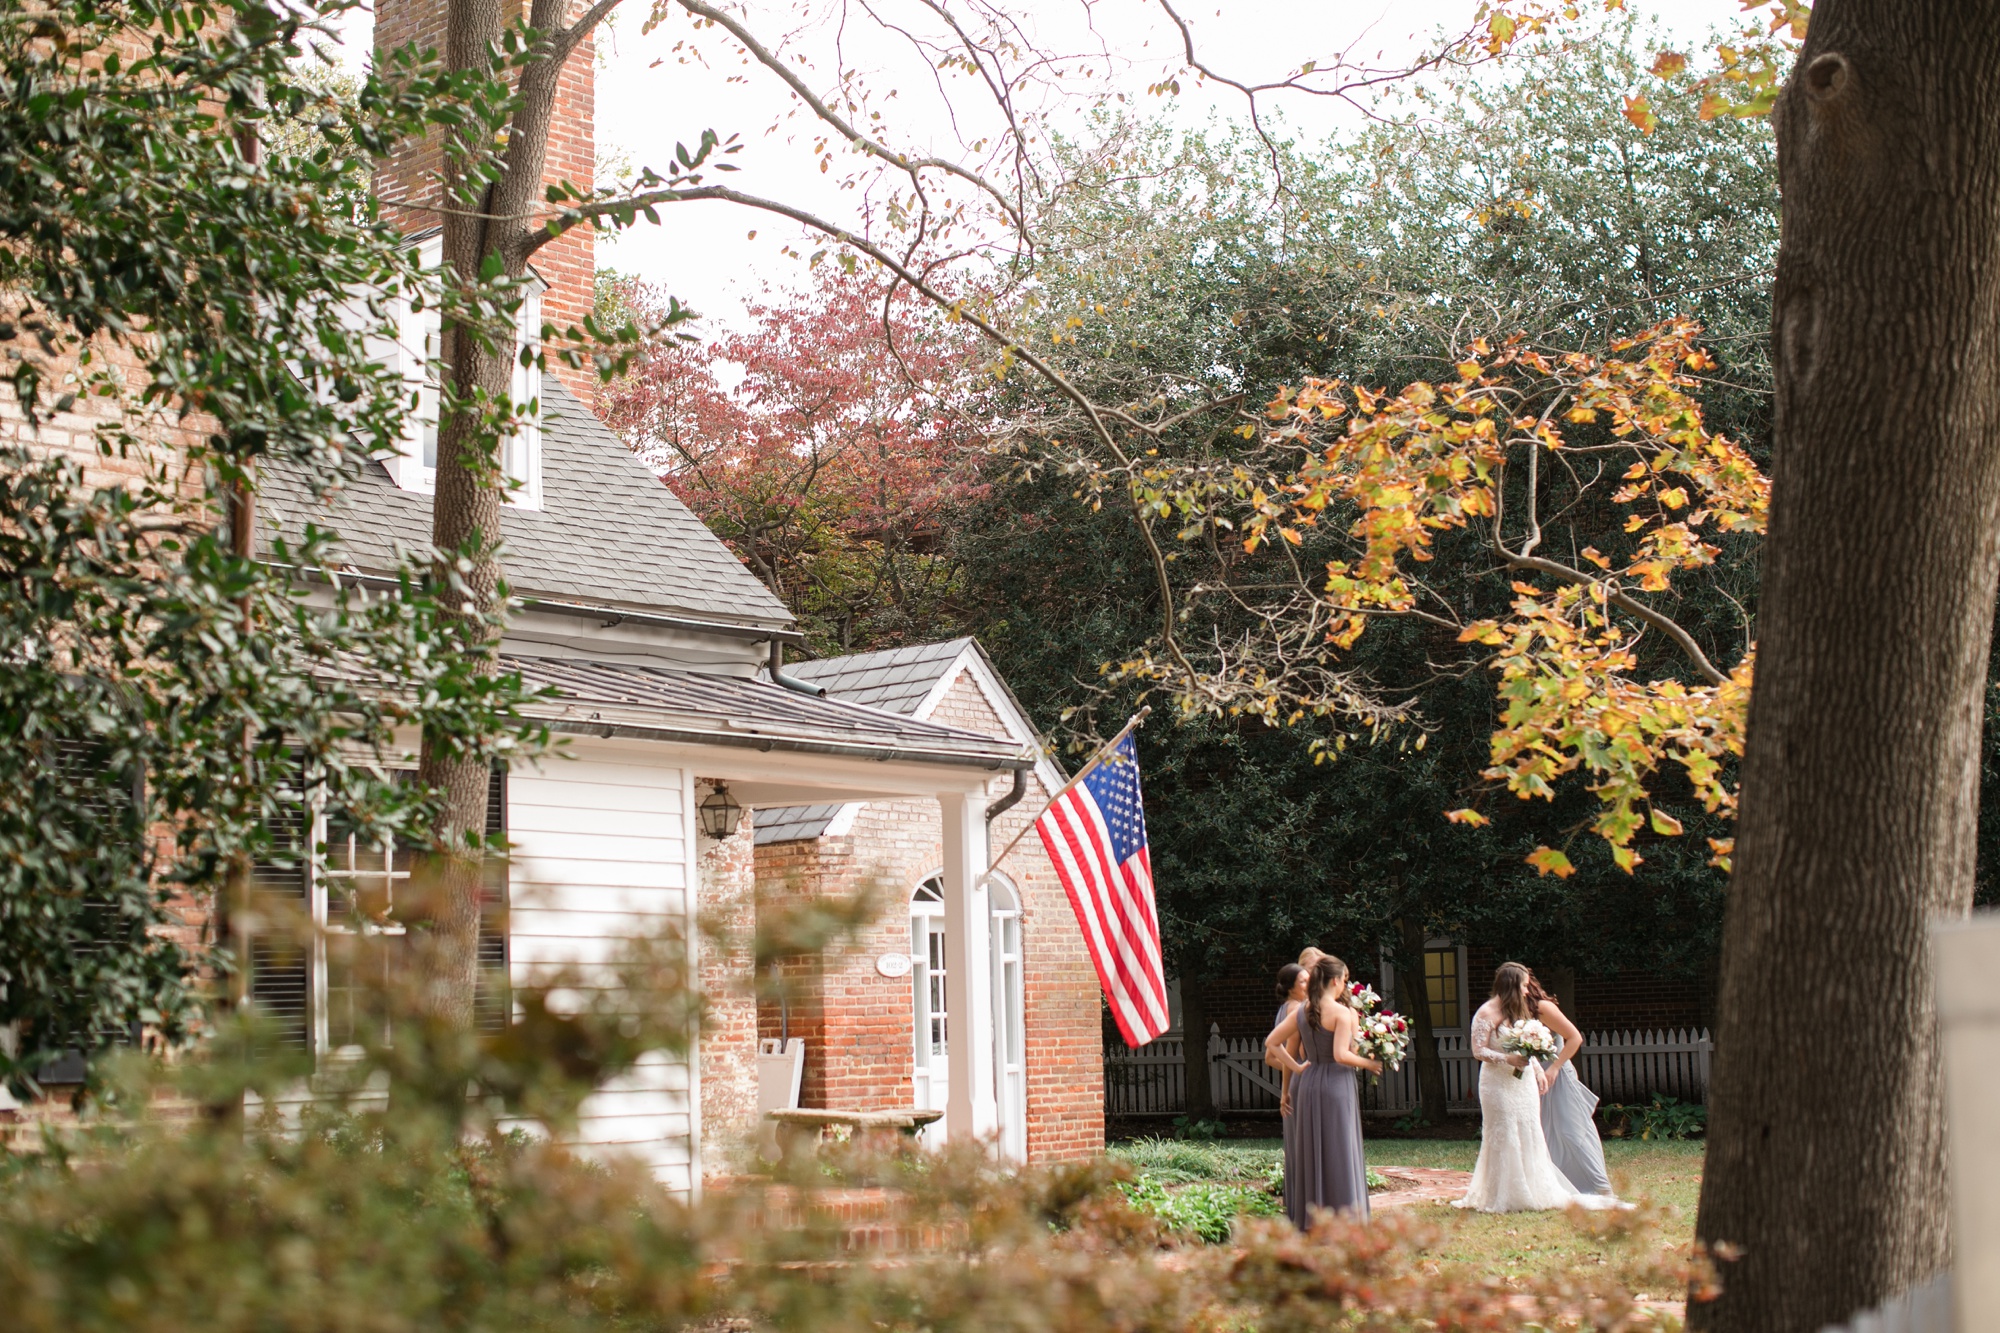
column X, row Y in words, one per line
column 895, row 678
column 608, row 533
column 731, row 710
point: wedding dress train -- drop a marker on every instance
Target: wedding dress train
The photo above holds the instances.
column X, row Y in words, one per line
column 1514, row 1173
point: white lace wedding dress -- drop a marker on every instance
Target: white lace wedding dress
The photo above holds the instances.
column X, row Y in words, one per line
column 1515, row 1173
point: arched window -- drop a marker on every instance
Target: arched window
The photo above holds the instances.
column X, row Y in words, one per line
column 930, row 1027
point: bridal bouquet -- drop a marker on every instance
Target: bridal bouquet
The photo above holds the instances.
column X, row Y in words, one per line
column 1532, row 1038
column 1382, row 1033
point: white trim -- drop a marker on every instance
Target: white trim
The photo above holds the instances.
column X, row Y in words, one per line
column 692, row 844
column 843, row 819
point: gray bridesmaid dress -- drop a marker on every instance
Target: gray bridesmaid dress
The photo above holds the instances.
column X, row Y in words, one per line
column 1323, row 1162
column 1568, row 1124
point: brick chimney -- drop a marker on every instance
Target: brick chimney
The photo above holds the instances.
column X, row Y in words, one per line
column 569, row 263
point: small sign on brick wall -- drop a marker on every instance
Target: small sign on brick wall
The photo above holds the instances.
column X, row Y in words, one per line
column 893, row 965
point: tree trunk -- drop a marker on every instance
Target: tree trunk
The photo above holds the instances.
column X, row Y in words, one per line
column 1414, row 1000
column 1194, row 1029
column 465, row 515
column 1826, row 1153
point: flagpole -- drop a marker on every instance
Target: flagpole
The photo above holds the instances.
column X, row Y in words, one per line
column 1145, row 711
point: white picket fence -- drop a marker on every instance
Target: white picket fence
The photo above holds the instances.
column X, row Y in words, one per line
column 1617, row 1066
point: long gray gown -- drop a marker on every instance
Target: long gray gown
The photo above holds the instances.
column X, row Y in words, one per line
column 1323, row 1162
column 1567, row 1123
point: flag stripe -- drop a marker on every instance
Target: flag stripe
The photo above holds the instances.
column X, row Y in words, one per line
column 1095, row 835
column 1107, row 883
column 1073, row 866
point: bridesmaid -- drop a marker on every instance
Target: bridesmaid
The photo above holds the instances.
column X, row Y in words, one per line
column 1291, row 994
column 1568, row 1108
column 1324, row 1169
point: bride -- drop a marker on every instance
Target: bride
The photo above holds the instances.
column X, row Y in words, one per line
column 1515, row 1172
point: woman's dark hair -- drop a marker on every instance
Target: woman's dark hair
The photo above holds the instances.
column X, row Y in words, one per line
column 1520, row 995
column 1327, row 974
column 1288, row 977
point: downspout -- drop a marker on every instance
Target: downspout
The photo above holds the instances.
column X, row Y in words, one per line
column 792, row 683
column 1011, row 799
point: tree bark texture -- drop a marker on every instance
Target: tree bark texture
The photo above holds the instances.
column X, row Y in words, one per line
column 466, row 509
column 1194, row 1051
column 1826, row 1159
column 1413, row 1000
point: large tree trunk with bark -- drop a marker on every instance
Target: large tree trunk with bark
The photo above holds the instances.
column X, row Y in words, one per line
column 1414, row 1002
column 1194, row 1051
column 1826, row 1153
column 478, row 225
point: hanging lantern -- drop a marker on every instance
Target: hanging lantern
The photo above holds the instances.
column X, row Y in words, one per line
column 720, row 814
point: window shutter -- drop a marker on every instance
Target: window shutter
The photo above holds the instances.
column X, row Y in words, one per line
column 492, row 1001
column 280, row 963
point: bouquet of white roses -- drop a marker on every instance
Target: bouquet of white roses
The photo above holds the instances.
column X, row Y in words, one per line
column 1532, row 1038
column 1382, row 1034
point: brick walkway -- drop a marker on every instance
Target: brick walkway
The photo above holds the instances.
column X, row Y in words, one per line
column 1418, row 1184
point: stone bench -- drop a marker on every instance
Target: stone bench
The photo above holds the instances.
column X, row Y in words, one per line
column 800, row 1128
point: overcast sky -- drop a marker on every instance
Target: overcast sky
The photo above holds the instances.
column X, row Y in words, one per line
column 649, row 95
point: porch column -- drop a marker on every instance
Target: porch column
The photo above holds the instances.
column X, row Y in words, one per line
column 971, row 1109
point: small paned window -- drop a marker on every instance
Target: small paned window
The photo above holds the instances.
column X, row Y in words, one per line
column 1441, row 986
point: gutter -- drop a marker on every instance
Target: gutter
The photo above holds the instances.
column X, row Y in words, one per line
column 880, row 753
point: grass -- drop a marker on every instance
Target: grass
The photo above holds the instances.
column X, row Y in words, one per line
column 1210, row 1175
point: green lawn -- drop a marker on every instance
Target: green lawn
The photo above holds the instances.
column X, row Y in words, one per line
column 1506, row 1244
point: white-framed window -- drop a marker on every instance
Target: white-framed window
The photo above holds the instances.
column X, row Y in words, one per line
column 1445, row 988
column 1010, row 1037
column 419, row 345
column 927, row 994
column 326, row 938
column 930, row 1026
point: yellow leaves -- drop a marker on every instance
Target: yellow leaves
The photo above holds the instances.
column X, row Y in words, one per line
column 1483, row 631
column 1675, row 498
column 1468, row 370
column 1581, row 414
column 1469, row 817
column 1549, row 861
column 1640, row 112
column 1669, row 63
column 1652, row 575
column 1596, row 557
column 1665, row 824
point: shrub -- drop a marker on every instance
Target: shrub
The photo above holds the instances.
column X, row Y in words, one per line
column 1665, row 1118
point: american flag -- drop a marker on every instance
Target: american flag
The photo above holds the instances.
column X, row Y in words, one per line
column 1095, row 833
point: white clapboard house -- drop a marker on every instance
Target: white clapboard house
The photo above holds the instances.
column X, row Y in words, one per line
column 660, row 647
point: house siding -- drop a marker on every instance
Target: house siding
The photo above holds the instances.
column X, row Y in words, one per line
column 601, row 854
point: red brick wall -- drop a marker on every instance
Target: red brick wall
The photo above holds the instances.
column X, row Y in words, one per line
column 1621, row 1002
column 726, row 896
column 857, row 1023
column 569, row 263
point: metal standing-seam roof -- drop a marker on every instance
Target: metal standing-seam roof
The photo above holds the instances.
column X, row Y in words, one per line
column 608, row 533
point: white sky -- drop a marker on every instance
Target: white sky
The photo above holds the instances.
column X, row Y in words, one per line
column 648, row 98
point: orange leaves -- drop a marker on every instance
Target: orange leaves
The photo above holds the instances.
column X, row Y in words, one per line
column 1640, row 112
column 1468, row 817
column 1400, row 469
column 1669, row 63
column 1549, row 861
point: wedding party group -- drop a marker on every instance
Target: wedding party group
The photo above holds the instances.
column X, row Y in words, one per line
column 1538, row 1138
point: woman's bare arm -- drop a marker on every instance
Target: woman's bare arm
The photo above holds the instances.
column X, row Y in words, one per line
column 1286, row 1023
column 1345, row 1025
column 1560, row 1024
column 1281, row 1047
